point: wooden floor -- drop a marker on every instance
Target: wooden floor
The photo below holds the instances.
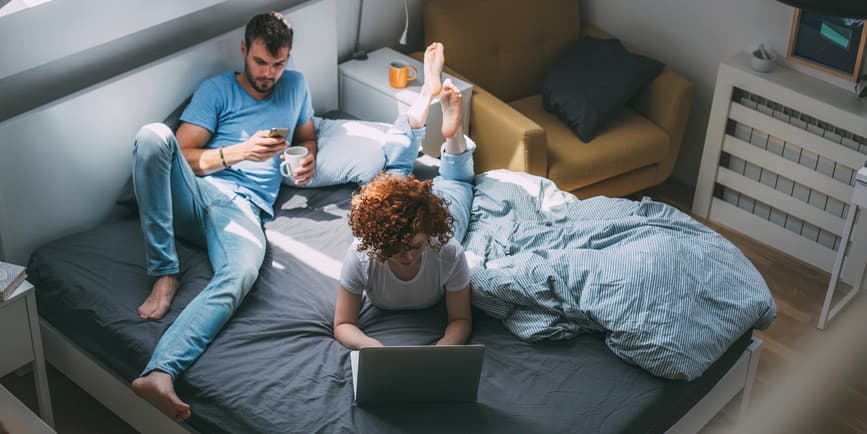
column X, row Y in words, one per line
column 798, row 290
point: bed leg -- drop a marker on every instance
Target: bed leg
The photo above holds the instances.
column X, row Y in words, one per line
column 755, row 350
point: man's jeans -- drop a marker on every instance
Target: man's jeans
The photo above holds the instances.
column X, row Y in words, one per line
column 455, row 180
column 173, row 201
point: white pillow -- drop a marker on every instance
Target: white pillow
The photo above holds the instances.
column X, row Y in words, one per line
column 349, row 151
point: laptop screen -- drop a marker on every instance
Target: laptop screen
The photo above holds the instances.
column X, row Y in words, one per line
column 448, row 373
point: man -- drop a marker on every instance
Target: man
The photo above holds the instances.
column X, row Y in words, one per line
column 213, row 183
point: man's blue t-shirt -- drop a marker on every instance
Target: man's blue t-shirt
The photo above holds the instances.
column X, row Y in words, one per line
column 224, row 108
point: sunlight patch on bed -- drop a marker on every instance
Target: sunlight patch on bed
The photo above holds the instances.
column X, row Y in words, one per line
column 474, row 259
column 544, row 190
column 364, row 130
column 527, row 182
column 305, row 254
column 239, row 230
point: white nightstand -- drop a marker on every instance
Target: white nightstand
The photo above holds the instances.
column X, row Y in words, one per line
column 366, row 94
column 22, row 344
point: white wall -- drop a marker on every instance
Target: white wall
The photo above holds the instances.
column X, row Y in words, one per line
column 53, row 30
column 381, row 26
column 693, row 37
column 57, row 48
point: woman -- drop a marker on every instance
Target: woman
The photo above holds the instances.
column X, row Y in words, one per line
column 407, row 253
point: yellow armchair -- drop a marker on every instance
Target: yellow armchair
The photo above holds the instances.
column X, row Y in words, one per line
column 505, row 48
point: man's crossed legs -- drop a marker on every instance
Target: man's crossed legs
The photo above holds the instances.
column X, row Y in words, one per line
column 173, row 201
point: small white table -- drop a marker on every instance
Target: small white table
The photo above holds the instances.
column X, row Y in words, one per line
column 366, row 94
column 21, row 343
column 859, row 200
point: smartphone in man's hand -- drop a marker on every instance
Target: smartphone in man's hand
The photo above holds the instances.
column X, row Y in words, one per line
column 279, row 133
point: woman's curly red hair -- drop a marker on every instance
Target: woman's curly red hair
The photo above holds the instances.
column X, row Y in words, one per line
column 390, row 210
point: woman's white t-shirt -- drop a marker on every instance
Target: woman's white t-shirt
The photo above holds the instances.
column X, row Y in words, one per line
column 445, row 269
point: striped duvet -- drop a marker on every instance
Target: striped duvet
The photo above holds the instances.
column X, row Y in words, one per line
column 670, row 294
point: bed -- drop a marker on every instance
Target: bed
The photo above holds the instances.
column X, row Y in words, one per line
column 275, row 367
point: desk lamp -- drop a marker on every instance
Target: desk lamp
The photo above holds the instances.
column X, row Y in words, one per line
column 358, row 53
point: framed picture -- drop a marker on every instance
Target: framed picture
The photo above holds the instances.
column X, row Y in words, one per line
column 830, row 44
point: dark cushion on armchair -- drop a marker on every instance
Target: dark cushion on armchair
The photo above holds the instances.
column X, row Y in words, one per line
column 592, row 83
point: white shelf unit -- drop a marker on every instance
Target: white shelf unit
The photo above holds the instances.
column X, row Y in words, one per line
column 779, row 162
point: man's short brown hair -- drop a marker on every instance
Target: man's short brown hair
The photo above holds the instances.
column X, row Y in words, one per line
column 272, row 28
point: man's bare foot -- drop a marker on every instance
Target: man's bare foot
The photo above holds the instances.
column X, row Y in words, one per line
column 451, row 100
column 158, row 303
column 434, row 58
column 158, row 388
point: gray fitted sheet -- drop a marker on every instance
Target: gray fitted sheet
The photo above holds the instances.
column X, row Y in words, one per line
column 276, row 368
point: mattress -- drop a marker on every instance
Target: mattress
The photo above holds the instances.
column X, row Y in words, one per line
column 275, row 367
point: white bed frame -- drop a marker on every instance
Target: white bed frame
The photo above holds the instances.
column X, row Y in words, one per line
column 100, row 165
column 115, row 393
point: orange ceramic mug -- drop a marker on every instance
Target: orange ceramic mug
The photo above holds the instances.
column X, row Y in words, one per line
column 399, row 74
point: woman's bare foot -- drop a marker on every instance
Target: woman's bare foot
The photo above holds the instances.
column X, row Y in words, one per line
column 434, row 58
column 433, row 68
column 452, row 105
column 451, row 100
column 158, row 388
column 162, row 294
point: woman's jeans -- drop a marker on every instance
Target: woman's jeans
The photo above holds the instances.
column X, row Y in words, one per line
column 455, row 180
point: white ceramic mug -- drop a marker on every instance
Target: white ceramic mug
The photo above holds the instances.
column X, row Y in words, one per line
column 292, row 157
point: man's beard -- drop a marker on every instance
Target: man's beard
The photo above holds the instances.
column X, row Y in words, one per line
column 255, row 85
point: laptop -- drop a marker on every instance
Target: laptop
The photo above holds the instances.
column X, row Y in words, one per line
column 424, row 373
